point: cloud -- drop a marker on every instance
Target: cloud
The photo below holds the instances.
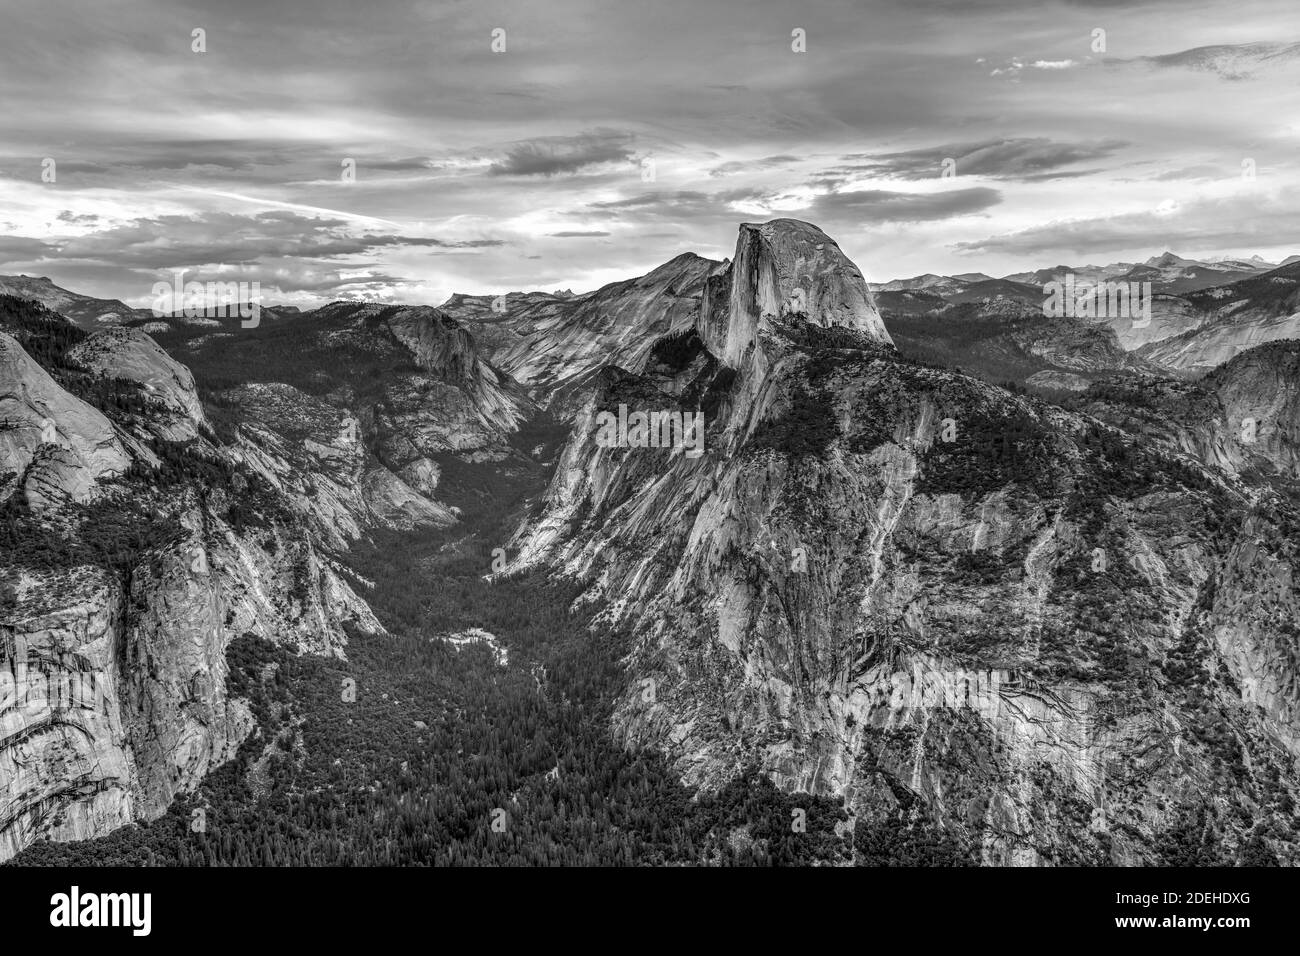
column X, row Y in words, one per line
column 23, row 249
column 658, row 202
column 1025, row 159
column 1249, row 218
column 878, row 205
column 552, row 155
column 173, row 241
column 745, row 166
column 576, row 235
column 1195, row 173
column 1016, row 65
column 401, row 165
column 472, row 168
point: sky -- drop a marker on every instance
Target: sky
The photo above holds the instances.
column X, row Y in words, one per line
column 400, row 151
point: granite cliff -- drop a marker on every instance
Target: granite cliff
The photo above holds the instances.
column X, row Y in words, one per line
column 1001, row 631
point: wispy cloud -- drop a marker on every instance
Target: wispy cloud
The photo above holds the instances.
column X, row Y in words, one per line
column 1246, row 219
column 878, row 205
column 1024, row 159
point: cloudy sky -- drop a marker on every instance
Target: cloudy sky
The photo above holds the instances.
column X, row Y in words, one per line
column 609, row 136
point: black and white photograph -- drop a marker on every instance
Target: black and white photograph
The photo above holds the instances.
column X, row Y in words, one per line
column 859, row 436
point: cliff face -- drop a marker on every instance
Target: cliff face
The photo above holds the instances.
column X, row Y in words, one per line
column 989, row 624
column 1215, row 342
column 784, row 269
column 1237, row 317
column 122, row 582
column 52, row 444
column 431, row 389
column 553, row 344
column 1243, row 418
column 444, row 348
column 113, row 692
column 1073, row 346
column 128, row 353
column 1170, row 316
column 313, row 453
column 65, row 769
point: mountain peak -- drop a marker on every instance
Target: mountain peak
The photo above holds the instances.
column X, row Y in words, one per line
column 1166, row 258
column 782, row 269
column 681, row 266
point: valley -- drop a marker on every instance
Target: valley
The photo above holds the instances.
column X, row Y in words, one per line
column 863, row 621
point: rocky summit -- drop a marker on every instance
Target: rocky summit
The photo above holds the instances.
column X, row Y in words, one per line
column 731, row 541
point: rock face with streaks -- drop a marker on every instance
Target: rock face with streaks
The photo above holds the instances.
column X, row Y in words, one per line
column 1171, row 316
column 128, row 353
column 1237, row 317
column 1243, row 418
column 1214, row 343
column 1001, row 631
column 552, row 344
column 313, row 453
column 65, row 769
column 785, row 270
column 113, row 694
column 52, row 445
column 134, row 550
column 436, row 393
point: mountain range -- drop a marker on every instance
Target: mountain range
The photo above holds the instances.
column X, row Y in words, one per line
column 1202, row 314
column 1168, row 273
column 959, row 583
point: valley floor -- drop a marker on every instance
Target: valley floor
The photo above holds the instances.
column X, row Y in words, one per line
column 447, row 757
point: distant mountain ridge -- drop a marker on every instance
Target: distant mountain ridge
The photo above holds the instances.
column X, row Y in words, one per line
column 1202, row 313
column 1167, row 272
column 84, row 311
